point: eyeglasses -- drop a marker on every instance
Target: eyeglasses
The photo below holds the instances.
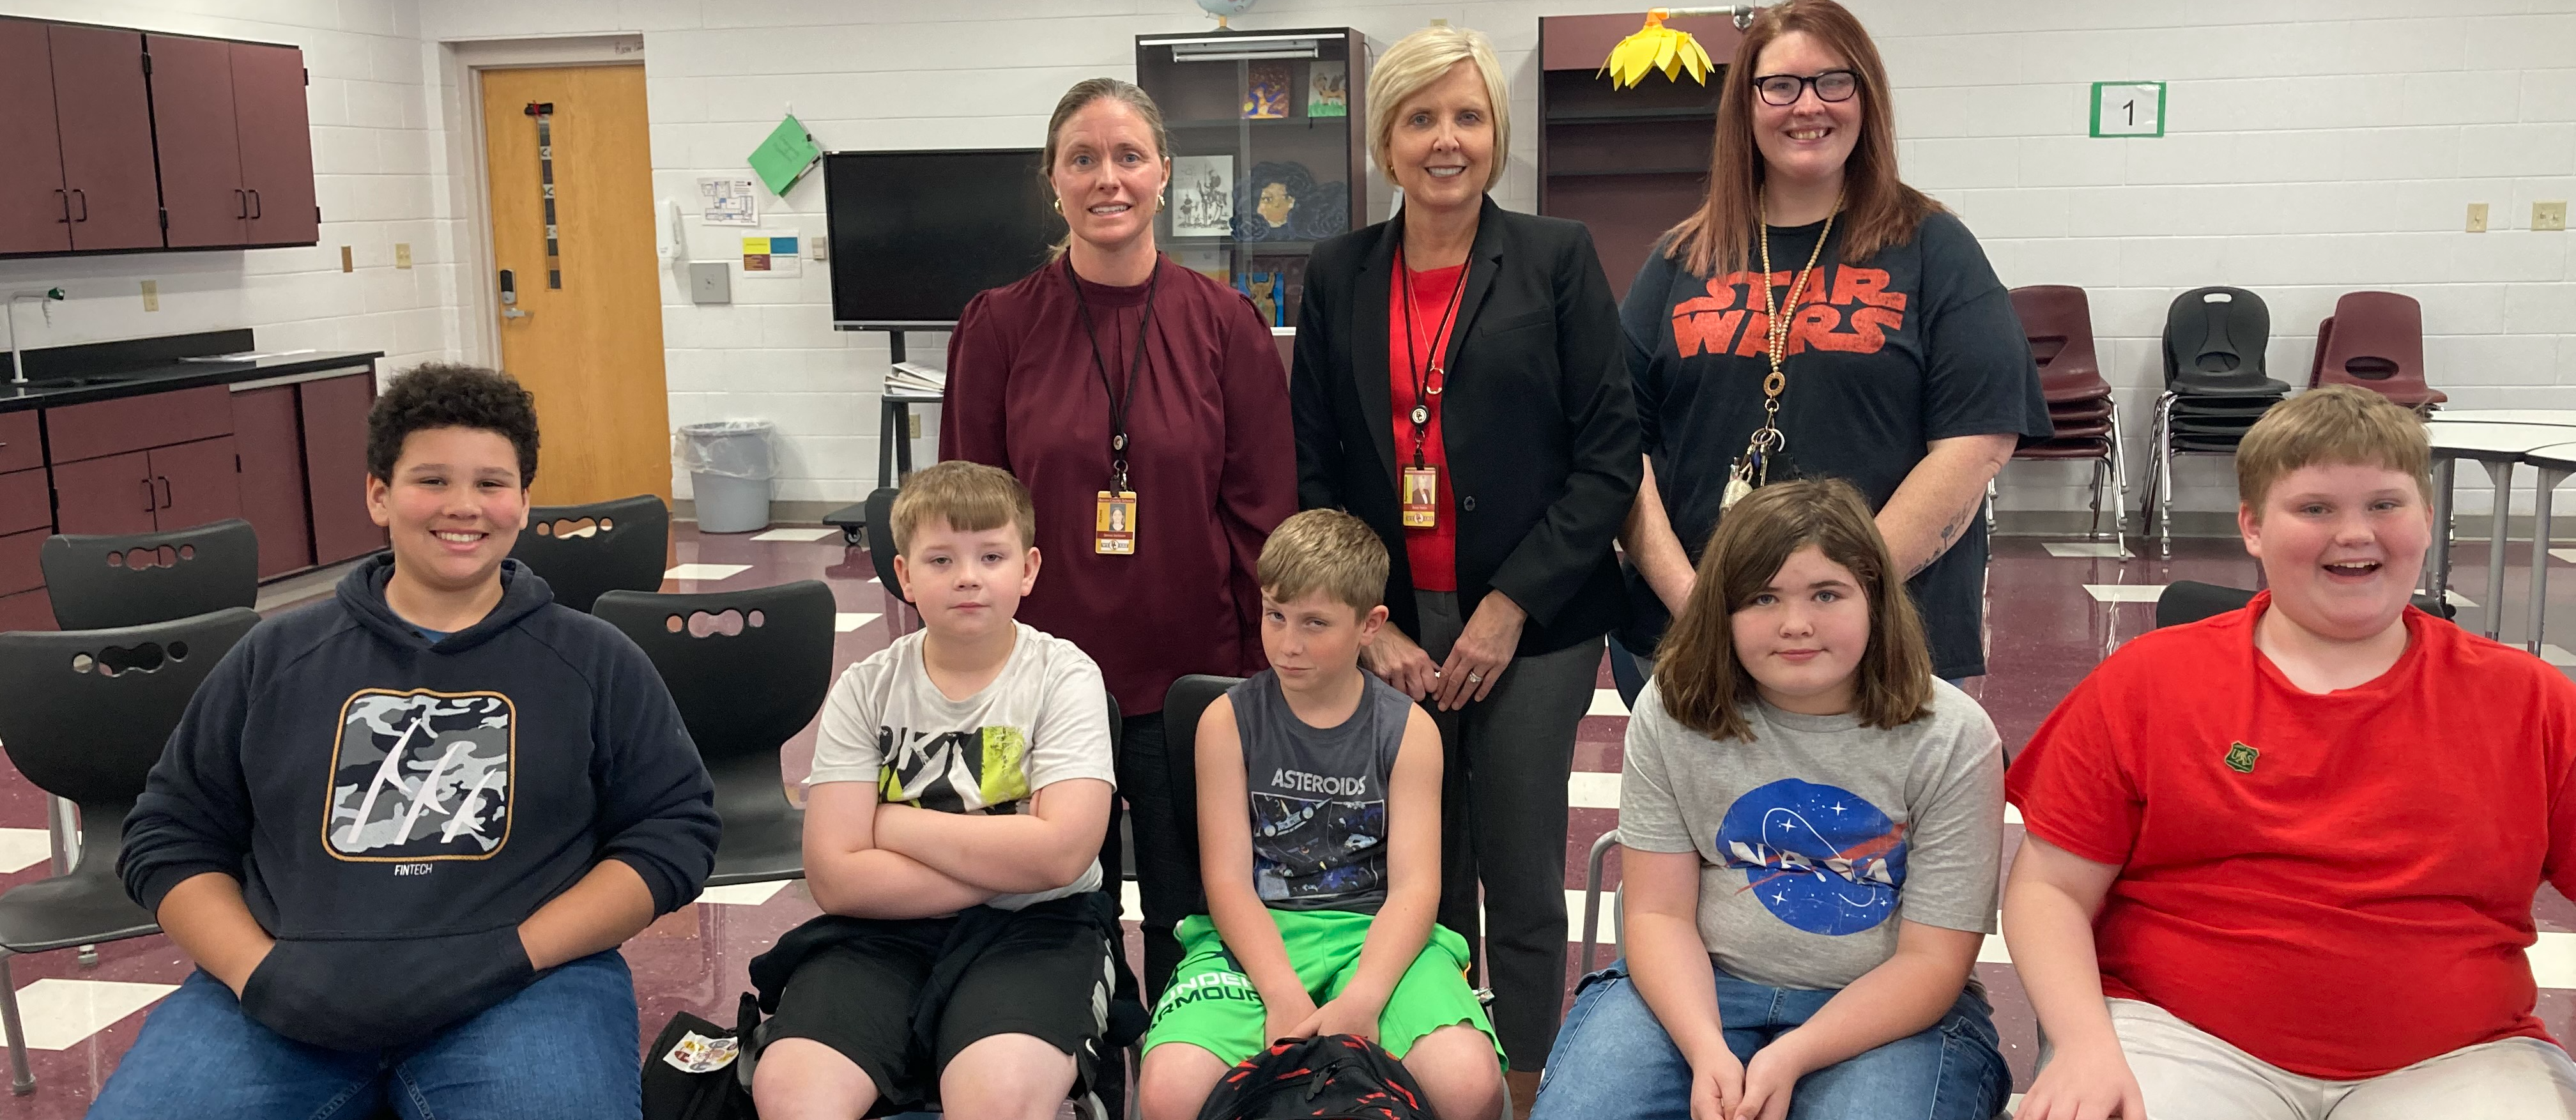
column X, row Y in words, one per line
column 1785, row 89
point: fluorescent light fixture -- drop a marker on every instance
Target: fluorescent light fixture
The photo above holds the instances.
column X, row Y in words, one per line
column 1231, row 48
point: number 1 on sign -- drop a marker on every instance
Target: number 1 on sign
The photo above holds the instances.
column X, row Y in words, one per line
column 2128, row 108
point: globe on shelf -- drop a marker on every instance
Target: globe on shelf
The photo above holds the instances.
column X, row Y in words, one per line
column 1223, row 8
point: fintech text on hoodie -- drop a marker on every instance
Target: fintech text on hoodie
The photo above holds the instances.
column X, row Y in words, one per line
column 394, row 808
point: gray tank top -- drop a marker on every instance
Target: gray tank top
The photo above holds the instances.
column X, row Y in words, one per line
column 1318, row 796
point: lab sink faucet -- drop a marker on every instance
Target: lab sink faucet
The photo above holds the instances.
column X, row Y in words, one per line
column 17, row 359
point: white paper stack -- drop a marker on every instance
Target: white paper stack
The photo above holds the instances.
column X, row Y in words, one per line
column 913, row 379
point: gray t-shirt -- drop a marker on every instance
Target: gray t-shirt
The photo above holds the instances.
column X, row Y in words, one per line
column 1817, row 836
column 1318, row 795
column 1043, row 720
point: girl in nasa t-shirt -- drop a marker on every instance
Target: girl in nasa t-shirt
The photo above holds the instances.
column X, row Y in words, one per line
column 1812, row 824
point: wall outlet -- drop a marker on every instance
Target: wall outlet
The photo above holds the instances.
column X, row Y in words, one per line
column 402, row 254
column 822, row 248
column 2548, row 215
column 152, row 295
column 347, row 262
column 912, row 424
column 2477, row 217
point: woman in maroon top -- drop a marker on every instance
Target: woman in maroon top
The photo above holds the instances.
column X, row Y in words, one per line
column 1111, row 371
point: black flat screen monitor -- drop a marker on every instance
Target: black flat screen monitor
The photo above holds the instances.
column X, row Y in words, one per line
column 916, row 234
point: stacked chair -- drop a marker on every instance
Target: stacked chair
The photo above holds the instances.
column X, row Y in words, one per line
column 2215, row 384
column 2375, row 340
column 585, row 551
column 2058, row 321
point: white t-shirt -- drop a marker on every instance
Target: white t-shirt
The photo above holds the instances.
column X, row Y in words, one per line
column 1043, row 720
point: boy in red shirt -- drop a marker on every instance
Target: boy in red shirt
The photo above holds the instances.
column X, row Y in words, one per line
column 2280, row 862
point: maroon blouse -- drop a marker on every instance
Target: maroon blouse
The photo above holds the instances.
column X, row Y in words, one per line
column 1210, row 457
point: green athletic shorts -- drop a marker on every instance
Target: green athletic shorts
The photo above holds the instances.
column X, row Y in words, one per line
column 1212, row 1005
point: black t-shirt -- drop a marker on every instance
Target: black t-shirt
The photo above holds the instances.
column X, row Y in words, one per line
column 1920, row 343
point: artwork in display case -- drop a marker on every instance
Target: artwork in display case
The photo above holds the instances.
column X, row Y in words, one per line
column 1265, row 92
column 1328, row 92
column 1202, row 196
column 1281, row 201
column 1213, row 262
column 1268, row 295
column 1291, row 287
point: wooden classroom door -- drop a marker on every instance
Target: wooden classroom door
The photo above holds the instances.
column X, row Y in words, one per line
column 585, row 332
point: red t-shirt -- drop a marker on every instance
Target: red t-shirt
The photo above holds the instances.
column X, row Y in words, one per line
column 1432, row 553
column 2354, row 895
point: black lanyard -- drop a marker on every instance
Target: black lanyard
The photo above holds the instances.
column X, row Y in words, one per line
column 1135, row 368
column 1425, row 388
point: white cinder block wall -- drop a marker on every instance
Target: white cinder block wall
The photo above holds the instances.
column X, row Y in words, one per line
column 376, row 162
column 2313, row 147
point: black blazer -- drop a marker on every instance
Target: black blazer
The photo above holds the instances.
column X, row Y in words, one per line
column 1540, row 428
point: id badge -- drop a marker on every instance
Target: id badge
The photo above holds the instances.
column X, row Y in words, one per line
column 1114, row 523
column 1421, row 497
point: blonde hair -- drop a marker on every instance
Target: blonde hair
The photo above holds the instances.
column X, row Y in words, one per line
column 2339, row 425
column 1879, row 210
column 1417, row 61
column 1324, row 550
column 1076, row 100
column 970, row 497
column 1697, row 673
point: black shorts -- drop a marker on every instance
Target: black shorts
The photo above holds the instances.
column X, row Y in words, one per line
column 1043, row 976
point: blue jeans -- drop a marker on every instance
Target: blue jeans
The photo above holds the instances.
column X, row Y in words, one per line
column 563, row 1048
column 1613, row 1060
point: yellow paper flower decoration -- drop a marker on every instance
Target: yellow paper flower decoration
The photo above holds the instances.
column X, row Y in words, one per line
column 1656, row 47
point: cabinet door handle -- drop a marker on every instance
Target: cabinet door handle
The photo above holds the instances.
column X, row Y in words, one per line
column 66, row 196
column 241, row 203
column 255, row 208
column 83, row 196
column 165, row 492
column 149, row 504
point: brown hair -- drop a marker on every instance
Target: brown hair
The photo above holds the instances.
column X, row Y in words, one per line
column 1878, row 209
column 970, row 497
column 2339, row 425
column 1701, row 681
column 1324, row 550
column 1076, row 100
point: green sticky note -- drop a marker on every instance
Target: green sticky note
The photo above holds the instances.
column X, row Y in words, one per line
column 783, row 158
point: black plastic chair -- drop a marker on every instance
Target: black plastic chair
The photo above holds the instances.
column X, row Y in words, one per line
column 2214, row 342
column 2190, row 601
column 1189, row 698
column 621, row 549
column 748, row 670
column 88, row 714
column 103, row 582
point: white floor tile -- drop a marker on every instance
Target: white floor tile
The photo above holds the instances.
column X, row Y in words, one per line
column 1606, row 702
column 1586, row 789
column 2093, row 549
column 60, row 1013
column 706, row 573
column 848, row 622
column 22, row 848
column 2124, row 592
column 2553, row 960
column 1131, row 905
column 2012, row 813
column 2566, row 554
column 2557, row 655
column 796, row 534
column 1609, row 934
column 743, row 894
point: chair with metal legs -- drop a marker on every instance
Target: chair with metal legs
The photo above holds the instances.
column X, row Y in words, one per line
column 88, row 715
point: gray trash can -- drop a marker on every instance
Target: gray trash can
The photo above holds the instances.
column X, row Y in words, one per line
column 730, row 468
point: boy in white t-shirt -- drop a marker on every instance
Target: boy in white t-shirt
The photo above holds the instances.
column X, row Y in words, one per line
column 960, row 791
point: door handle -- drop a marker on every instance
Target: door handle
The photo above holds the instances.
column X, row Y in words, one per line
column 165, row 491
column 66, row 196
column 84, row 201
column 255, row 208
column 241, row 203
column 148, row 503
column 515, row 313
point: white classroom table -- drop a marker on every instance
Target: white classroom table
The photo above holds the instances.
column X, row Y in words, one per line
column 2554, row 462
column 2497, row 445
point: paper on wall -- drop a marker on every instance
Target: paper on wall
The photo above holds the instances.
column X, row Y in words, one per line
column 772, row 257
column 729, row 202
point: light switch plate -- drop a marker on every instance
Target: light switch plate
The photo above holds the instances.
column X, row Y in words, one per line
column 402, row 254
column 710, row 282
column 152, row 295
column 2548, row 215
column 2477, row 217
column 347, row 264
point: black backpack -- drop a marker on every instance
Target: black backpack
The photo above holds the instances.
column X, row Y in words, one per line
column 1330, row 1077
column 686, row 1078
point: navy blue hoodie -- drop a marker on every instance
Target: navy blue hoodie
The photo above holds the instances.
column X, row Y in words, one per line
column 395, row 808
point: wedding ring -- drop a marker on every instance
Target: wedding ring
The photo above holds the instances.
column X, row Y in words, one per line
column 1475, row 678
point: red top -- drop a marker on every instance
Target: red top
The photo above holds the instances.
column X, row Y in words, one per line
column 1432, row 553
column 1210, row 458
column 2352, row 893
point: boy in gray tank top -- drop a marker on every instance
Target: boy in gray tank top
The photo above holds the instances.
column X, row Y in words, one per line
column 1319, row 835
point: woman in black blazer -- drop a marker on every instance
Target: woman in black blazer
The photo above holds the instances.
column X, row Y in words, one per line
column 1501, row 397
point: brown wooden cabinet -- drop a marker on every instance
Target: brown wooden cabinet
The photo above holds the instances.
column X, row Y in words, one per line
column 276, row 144
column 132, row 465
column 267, row 437
column 35, row 212
column 103, row 122
column 335, row 466
column 112, row 494
column 201, row 167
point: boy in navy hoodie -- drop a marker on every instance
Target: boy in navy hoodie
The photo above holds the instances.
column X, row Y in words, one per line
column 402, row 832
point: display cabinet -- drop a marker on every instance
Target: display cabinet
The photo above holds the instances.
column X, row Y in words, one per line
column 1626, row 162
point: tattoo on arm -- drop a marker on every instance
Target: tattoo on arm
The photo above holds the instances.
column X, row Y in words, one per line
column 1949, row 535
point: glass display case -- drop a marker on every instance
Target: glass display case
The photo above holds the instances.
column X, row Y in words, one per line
column 1269, row 152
